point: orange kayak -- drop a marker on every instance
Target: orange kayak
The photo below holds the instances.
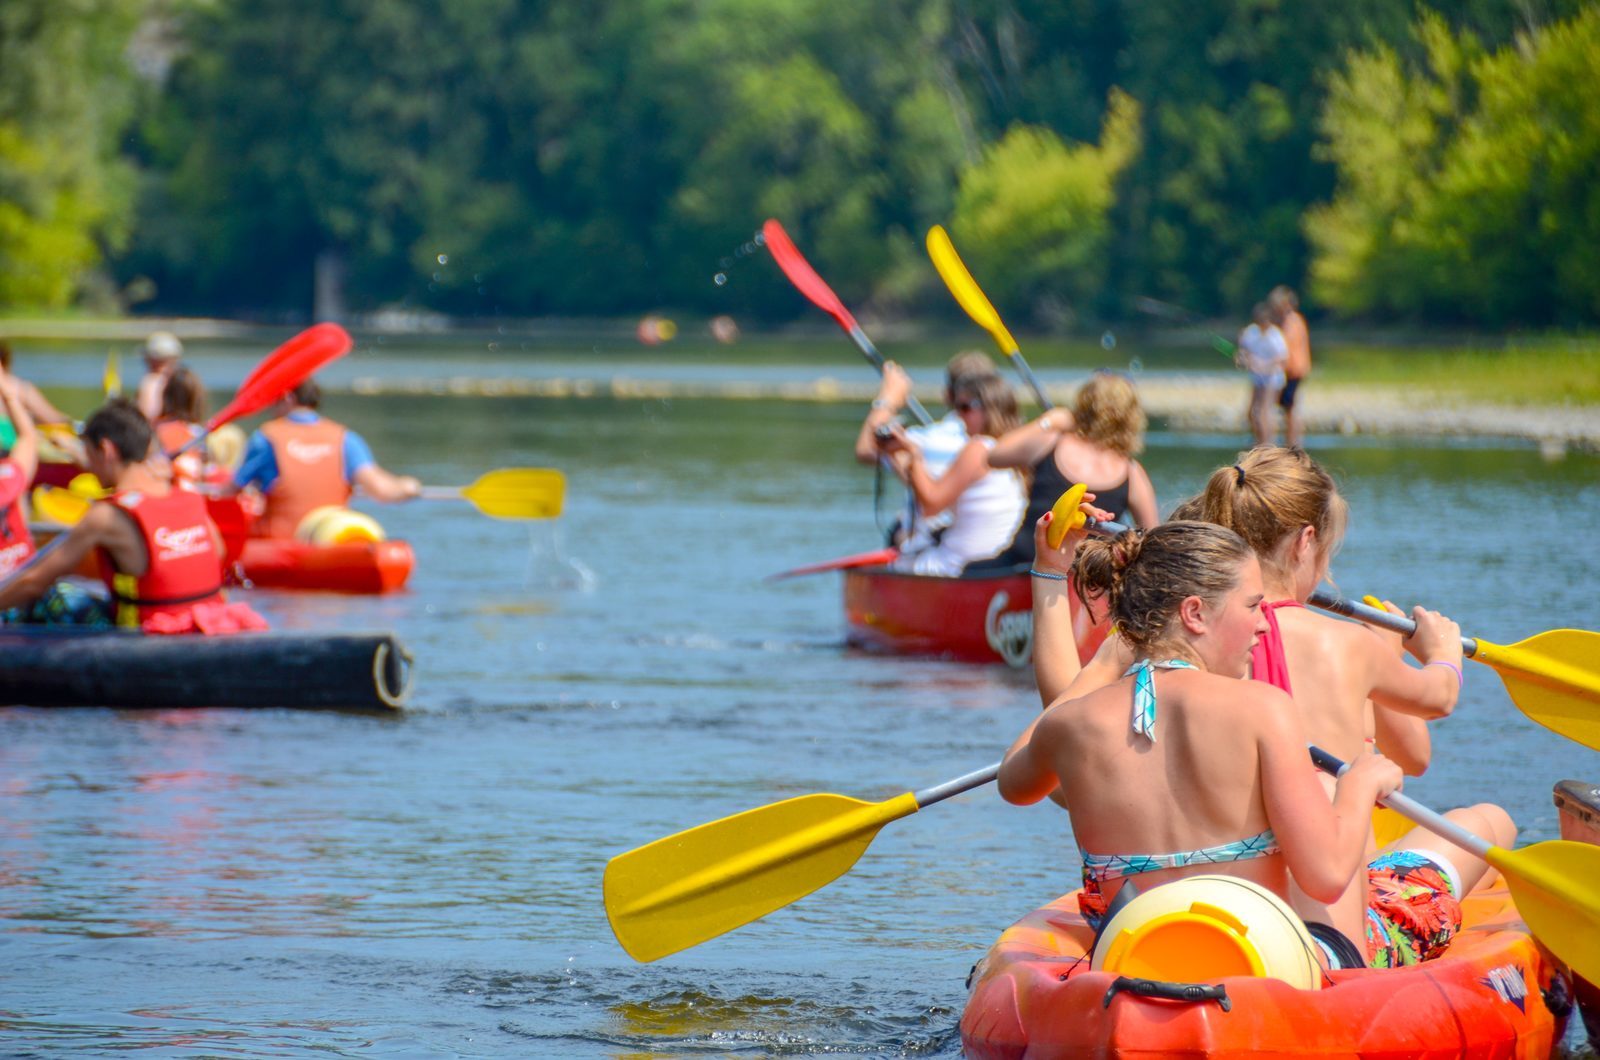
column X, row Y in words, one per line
column 353, row 567
column 1494, row 993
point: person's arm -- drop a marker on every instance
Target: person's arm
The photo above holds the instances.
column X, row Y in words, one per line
column 1403, row 738
column 1028, row 444
column 1426, row 692
column 259, row 468
column 30, row 583
column 1027, row 775
column 382, row 485
column 1142, row 497
column 934, row 495
column 892, row 394
column 25, row 453
column 1055, row 645
column 1323, row 844
column 39, row 406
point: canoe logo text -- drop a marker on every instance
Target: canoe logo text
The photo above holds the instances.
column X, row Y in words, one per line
column 1010, row 633
column 189, row 541
column 309, row 452
column 1509, row 982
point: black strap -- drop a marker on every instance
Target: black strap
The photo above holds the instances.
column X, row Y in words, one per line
column 1192, row 993
column 164, row 601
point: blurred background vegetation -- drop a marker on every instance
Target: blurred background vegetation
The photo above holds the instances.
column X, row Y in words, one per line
column 1093, row 158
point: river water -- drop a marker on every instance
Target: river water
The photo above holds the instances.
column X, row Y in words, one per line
column 283, row 883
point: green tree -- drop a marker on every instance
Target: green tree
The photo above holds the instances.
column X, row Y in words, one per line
column 65, row 97
column 1033, row 215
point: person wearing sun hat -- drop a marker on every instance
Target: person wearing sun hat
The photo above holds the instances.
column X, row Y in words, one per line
column 161, row 351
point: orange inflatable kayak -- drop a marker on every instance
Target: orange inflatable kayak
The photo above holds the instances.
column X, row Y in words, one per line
column 352, row 567
column 1494, row 993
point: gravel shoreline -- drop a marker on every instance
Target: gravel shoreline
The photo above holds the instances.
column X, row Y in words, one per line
column 1202, row 404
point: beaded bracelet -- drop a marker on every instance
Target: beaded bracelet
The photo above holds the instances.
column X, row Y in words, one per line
column 1461, row 678
column 1049, row 574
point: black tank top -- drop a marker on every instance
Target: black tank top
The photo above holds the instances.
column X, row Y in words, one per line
column 1048, row 486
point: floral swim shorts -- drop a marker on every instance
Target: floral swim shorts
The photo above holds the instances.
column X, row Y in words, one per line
column 1413, row 910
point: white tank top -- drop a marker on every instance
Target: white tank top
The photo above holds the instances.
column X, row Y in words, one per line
column 983, row 521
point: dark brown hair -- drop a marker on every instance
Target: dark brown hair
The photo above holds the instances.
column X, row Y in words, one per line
column 1145, row 575
column 120, row 422
column 183, row 397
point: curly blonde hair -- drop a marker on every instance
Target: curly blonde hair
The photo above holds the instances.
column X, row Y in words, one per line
column 1107, row 412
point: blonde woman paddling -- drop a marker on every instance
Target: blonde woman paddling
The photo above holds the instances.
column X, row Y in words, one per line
column 1289, row 510
column 1095, row 443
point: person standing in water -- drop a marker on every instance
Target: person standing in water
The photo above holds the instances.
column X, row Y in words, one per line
column 1262, row 353
column 1286, row 312
column 162, row 351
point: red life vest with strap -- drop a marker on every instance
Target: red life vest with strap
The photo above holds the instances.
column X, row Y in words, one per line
column 183, row 568
column 311, row 473
column 16, row 543
column 172, row 435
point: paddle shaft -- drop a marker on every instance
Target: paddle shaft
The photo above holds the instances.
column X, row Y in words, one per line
column 950, row 788
column 1032, row 380
column 1373, row 616
column 870, row 352
column 1413, row 810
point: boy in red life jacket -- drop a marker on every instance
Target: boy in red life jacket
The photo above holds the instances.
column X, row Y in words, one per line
column 302, row 461
column 17, row 468
column 159, row 553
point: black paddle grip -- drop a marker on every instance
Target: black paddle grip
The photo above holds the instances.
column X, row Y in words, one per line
column 1192, row 993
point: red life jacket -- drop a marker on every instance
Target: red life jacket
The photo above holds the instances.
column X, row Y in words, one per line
column 172, row 435
column 311, row 473
column 184, row 567
column 16, row 543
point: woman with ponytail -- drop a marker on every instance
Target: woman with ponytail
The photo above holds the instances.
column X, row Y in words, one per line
column 1178, row 767
column 1352, row 689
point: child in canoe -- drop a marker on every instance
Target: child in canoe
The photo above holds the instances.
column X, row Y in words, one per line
column 1178, row 767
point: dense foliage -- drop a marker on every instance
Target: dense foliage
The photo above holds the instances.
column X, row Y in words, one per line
column 508, row 157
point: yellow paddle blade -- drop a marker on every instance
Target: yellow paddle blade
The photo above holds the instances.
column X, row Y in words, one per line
column 111, row 381
column 86, row 486
column 1553, row 678
column 966, row 290
column 1064, row 515
column 682, row 890
column 1387, row 826
column 1556, row 885
column 519, row 493
column 62, row 507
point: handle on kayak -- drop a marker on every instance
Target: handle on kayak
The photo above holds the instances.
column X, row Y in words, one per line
column 1192, row 993
column 1409, row 808
column 1375, row 616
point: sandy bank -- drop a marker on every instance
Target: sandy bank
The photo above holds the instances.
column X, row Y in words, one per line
column 1198, row 403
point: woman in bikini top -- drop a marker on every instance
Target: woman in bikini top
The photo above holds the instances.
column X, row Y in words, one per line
column 1178, row 767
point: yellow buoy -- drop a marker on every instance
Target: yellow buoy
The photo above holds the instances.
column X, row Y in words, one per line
column 336, row 525
column 1204, row 928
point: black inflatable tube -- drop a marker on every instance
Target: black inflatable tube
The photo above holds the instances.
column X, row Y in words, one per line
column 63, row 667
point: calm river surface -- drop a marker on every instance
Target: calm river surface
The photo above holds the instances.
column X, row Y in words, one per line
column 283, row 883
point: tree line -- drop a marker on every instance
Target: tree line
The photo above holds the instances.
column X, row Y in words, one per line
column 1090, row 157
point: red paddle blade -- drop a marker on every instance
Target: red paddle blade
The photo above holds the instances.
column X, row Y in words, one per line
column 875, row 558
column 284, row 369
column 802, row 275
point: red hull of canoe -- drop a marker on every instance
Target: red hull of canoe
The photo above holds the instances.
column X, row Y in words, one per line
column 987, row 619
column 359, row 567
column 1578, row 807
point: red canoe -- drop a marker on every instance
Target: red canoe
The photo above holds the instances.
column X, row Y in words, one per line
column 358, row 567
column 984, row 618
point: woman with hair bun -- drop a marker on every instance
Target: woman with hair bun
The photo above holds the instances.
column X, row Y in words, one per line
column 1351, row 688
column 1178, row 767
column 1095, row 443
